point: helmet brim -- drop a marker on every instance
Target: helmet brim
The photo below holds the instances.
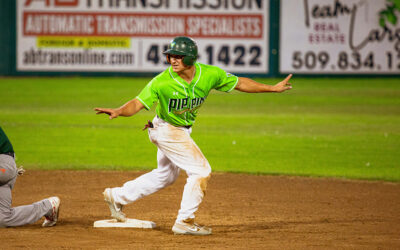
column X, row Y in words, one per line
column 174, row 52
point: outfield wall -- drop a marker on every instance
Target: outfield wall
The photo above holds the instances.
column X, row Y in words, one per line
column 247, row 37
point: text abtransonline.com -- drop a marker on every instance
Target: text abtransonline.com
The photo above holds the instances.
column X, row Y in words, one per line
column 86, row 57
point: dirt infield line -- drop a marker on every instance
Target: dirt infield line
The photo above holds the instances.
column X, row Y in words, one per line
column 245, row 212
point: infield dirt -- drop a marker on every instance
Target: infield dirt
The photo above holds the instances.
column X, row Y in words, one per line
column 244, row 211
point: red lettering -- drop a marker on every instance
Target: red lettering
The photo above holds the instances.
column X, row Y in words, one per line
column 28, row 2
column 66, row 3
column 57, row 3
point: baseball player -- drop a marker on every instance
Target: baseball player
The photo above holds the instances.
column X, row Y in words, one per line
column 23, row 215
column 180, row 91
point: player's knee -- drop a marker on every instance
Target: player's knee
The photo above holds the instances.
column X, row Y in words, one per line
column 2, row 223
column 5, row 218
column 203, row 182
column 205, row 172
column 166, row 179
column 170, row 179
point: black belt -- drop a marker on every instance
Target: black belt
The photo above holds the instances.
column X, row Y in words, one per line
column 188, row 127
column 10, row 154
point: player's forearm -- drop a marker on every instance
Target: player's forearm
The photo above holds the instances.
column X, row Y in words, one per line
column 250, row 86
column 130, row 108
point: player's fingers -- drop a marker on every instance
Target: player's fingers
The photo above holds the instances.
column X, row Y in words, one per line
column 288, row 78
column 99, row 111
column 102, row 111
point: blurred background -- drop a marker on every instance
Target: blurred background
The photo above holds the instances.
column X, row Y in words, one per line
column 62, row 58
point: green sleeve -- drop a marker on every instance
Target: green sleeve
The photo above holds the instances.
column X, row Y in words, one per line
column 148, row 96
column 5, row 144
column 226, row 81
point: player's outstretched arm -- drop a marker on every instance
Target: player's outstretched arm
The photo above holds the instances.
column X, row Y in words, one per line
column 250, row 86
column 128, row 109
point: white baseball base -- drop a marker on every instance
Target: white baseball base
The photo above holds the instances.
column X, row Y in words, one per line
column 130, row 223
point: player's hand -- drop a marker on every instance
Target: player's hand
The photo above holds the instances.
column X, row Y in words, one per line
column 283, row 85
column 111, row 112
column 20, row 170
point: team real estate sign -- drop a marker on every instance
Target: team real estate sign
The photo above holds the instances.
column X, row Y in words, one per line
column 337, row 37
column 130, row 35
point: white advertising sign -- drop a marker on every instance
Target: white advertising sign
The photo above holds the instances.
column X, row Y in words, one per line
column 337, row 37
column 130, row 35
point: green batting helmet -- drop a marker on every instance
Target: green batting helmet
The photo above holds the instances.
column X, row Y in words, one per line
column 183, row 46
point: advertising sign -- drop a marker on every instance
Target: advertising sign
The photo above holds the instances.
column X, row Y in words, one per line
column 337, row 37
column 130, row 35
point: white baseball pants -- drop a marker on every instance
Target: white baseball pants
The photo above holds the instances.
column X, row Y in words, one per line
column 176, row 150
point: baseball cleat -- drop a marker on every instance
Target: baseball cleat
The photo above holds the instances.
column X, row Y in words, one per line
column 189, row 227
column 52, row 218
column 115, row 208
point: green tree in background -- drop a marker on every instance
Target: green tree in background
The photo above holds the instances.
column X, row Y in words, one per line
column 389, row 14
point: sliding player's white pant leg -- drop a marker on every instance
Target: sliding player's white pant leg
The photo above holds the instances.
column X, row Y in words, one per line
column 22, row 215
column 164, row 175
column 179, row 147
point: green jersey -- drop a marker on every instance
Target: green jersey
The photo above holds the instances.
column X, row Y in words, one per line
column 179, row 101
column 5, row 144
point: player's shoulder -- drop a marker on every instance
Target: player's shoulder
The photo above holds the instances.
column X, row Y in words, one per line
column 161, row 77
column 210, row 71
column 209, row 68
